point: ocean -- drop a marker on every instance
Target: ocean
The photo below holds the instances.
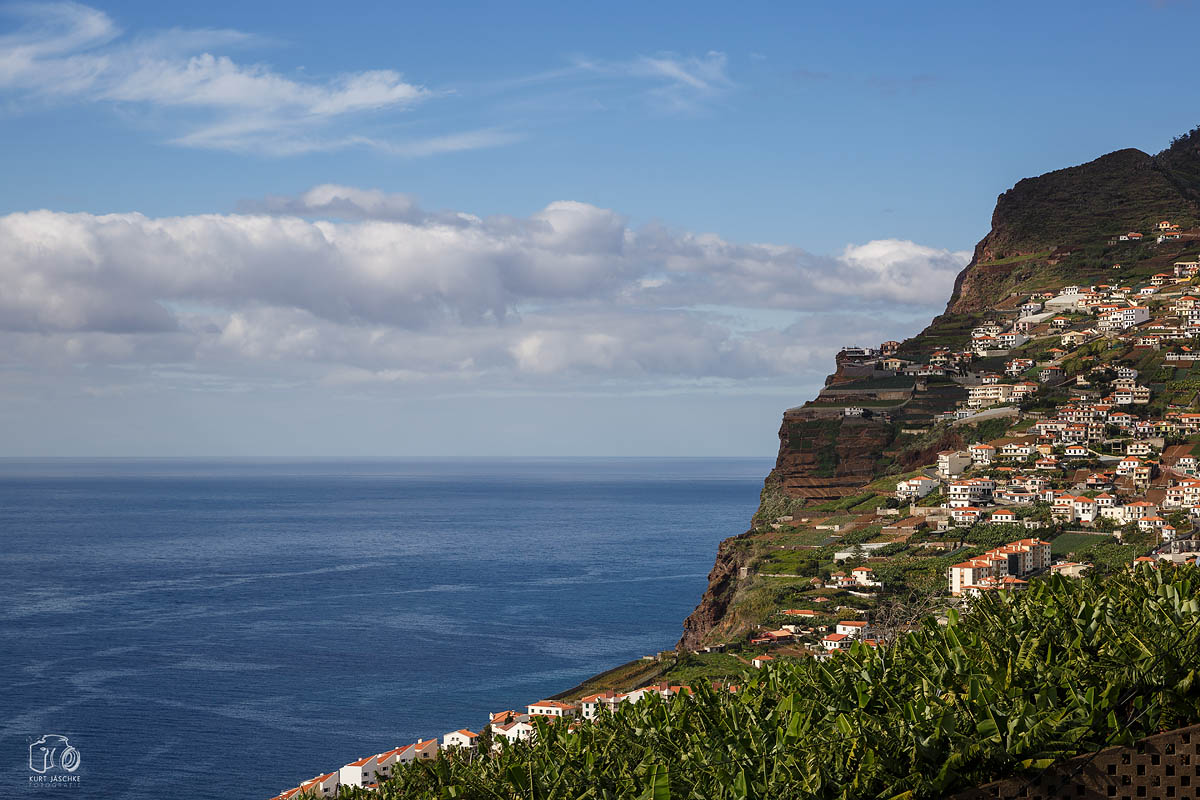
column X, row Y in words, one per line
column 230, row 628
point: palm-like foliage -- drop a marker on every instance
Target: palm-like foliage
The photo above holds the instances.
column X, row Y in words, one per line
column 1020, row 682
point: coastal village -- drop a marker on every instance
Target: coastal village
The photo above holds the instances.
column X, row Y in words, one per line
column 1074, row 430
column 1073, row 413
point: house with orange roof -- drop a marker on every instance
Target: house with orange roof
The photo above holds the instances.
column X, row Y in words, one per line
column 511, row 732
column 852, row 627
column 1152, row 523
column 358, row 773
column 992, row 584
column 865, row 576
column 384, row 762
column 1015, row 559
column 1070, row 569
column 837, row 641
column 461, row 739
column 321, row 786
column 591, row 705
column 664, row 690
column 758, row 662
column 965, row 515
column 552, row 708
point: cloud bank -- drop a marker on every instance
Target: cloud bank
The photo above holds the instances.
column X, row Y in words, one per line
column 349, row 286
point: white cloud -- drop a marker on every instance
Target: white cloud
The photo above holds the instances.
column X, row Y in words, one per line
column 67, row 51
column 360, row 287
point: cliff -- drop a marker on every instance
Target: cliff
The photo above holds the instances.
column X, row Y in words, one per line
column 1056, row 228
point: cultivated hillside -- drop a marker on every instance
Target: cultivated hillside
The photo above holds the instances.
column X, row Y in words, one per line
column 1061, row 227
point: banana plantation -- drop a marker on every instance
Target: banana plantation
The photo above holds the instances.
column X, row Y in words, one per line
column 1020, row 682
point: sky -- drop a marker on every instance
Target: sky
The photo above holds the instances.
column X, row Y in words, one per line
column 540, row 229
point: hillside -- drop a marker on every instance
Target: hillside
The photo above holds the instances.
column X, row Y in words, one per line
column 1047, row 231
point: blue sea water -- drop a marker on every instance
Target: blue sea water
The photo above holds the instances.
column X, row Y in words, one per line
column 229, row 628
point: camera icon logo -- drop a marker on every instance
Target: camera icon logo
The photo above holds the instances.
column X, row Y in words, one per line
column 53, row 751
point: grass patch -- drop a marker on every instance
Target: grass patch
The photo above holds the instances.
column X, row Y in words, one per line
column 1014, row 259
column 1076, row 542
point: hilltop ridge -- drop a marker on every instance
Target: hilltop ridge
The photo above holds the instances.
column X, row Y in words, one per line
column 1126, row 190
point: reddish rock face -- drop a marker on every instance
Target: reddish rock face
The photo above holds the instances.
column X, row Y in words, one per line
column 820, row 458
column 722, row 584
column 828, row 458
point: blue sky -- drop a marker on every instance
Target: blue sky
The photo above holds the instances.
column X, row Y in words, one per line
column 651, row 216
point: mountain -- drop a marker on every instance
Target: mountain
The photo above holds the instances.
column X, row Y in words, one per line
column 1047, row 231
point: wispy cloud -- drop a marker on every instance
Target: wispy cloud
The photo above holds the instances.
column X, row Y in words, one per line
column 67, row 52
column 676, row 82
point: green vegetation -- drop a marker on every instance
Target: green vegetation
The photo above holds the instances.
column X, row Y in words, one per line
column 695, row 668
column 1113, row 556
column 1076, row 542
column 875, row 384
column 1119, row 192
column 791, row 562
column 985, row 430
column 844, row 503
column 1014, row 259
column 1064, row 668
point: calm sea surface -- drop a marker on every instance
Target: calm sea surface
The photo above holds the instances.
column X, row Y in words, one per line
column 231, row 628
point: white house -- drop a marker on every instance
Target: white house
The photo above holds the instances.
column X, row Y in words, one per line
column 511, row 732
column 952, row 463
column 966, row 515
column 864, row 576
column 758, row 662
column 970, row 492
column 837, row 641
column 384, row 762
column 553, row 708
column 462, row 739
column 988, row 395
column 852, row 627
column 320, row 786
column 420, row 750
column 593, row 704
column 915, row 488
column 358, row 773
column 981, row 453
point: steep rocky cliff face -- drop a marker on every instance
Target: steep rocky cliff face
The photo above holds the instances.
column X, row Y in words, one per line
column 722, row 585
column 1044, row 228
